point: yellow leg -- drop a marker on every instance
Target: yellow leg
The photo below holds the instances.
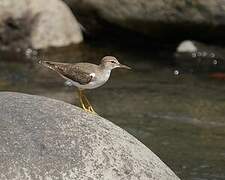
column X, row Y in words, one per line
column 81, row 101
column 86, row 105
column 90, row 108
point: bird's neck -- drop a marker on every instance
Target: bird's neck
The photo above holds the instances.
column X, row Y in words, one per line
column 105, row 70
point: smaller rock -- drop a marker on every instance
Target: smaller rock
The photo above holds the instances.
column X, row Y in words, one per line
column 186, row 46
column 37, row 24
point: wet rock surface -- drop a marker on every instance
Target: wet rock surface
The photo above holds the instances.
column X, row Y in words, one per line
column 34, row 24
column 45, row 138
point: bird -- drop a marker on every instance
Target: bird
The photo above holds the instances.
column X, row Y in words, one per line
column 85, row 75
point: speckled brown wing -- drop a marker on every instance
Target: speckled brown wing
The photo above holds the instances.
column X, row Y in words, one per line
column 70, row 71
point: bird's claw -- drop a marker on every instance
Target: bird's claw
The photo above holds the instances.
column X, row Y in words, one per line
column 85, row 103
column 89, row 109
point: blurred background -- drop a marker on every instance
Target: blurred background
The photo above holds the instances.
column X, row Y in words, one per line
column 172, row 100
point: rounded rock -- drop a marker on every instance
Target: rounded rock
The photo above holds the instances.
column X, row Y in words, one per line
column 43, row 138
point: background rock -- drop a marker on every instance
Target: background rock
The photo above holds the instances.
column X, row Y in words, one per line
column 171, row 19
column 37, row 24
column 43, row 138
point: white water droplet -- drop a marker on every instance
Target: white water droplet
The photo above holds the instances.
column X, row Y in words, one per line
column 199, row 54
column 194, row 55
column 215, row 62
column 176, row 72
column 212, row 55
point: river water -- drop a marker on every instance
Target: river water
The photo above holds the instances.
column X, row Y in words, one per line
column 181, row 118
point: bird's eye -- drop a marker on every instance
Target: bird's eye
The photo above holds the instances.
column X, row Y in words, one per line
column 112, row 61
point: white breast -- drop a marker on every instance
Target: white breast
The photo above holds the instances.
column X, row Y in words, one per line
column 99, row 80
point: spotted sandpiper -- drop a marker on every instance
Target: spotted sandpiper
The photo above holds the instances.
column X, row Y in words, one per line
column 85, row 75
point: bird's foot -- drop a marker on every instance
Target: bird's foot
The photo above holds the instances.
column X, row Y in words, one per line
column 89, row 110
column 85, row 103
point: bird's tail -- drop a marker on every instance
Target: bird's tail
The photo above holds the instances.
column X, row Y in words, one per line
column 48, row 64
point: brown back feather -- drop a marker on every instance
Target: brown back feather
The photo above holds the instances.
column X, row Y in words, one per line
column 70, row 71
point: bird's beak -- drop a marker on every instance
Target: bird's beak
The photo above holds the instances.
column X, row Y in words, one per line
column 124, row 66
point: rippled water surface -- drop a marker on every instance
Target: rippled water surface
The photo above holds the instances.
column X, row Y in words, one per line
column 180, row 118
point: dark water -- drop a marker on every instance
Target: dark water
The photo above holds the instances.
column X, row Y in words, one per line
column 180, row 118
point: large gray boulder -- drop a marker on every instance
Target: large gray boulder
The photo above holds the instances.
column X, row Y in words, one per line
column 158, row 18
column 42, row 138
column 37, row 23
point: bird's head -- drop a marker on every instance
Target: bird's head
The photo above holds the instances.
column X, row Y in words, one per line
column 110, row 62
